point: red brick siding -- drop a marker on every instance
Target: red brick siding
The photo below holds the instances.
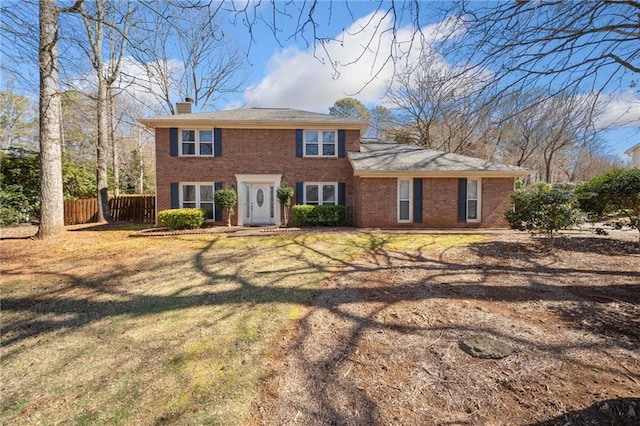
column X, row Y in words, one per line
column 377, row 203
column 496, row 201
column 251, row 151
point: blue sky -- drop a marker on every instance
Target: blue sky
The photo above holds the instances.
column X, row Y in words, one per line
column 292, row 75
column 289, row 73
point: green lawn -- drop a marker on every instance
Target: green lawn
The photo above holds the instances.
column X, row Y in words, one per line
column 101, row 328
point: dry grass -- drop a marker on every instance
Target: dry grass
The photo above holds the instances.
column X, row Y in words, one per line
column 100, row 328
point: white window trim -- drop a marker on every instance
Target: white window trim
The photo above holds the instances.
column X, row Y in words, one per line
column 478, row 200
column 197, row 142
column 198, row 201
column 320, row 200
column 410, row 180
column 320, row 143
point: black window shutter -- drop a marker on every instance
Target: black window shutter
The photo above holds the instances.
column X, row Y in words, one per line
column 462, row 200
column 175, row 195
column 217, row 142
column 173, row 141
column 218, row 210
column 417, row 200
column 341, row 191
column 299, row 193
column 299, row 143
column 341, row 144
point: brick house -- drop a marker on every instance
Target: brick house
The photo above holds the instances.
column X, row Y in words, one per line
column 381, row 184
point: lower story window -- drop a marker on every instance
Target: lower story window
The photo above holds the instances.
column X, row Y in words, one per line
column 198, row 195
column 473, row 198
column 321, row 193
column 404, row 200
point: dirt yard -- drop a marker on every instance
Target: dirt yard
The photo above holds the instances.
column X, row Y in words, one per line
column 382, row 344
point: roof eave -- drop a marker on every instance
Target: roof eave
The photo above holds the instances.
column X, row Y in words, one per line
column 253, row 124
column 442, row 173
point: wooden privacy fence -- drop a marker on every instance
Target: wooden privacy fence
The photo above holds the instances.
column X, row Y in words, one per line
column 131, row 208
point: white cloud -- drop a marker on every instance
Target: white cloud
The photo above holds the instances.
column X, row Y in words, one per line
column 620, row 110
column 305, row 79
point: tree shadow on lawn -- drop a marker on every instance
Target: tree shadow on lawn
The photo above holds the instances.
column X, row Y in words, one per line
column 339, row 401
column 86, row 310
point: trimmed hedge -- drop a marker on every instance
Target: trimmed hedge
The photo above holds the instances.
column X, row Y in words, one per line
column 304, row 215
column 182, row 218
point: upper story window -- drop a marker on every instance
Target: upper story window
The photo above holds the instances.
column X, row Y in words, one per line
column 196, row 142
column 320, row 143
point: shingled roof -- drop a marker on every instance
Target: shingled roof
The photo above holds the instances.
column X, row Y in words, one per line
column 256, row 118
column 380, row 158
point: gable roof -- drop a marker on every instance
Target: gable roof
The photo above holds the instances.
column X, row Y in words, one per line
column 378, row 159
column 257, row 118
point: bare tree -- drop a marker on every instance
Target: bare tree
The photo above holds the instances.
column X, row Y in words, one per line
column 17, row 122
column 209, row 67
column 568, row 45
column 437, row 103
column 107, row 25
column 381, row 119
column 51, row 193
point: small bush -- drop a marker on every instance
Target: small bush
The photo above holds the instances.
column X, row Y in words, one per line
column 284, row 194
column 182, row 218
column 304, row 215
column 227, row 199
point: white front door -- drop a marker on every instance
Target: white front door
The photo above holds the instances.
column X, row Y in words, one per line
column 260, row 204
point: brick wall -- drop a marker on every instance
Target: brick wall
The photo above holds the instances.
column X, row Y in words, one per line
column 377, row 203
column 251, row 151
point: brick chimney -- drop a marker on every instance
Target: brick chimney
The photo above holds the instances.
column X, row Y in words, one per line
column 184, row 107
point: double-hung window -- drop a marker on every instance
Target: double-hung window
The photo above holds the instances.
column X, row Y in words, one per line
column 404, row 200
column 196, row 142
column 320, row 143
column 322, row 193
column 199, row 196
column 473, row 200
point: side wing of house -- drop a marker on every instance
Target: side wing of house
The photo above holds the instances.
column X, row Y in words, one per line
column 401, row 186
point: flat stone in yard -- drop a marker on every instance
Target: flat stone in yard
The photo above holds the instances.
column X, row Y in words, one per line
column 485, row 347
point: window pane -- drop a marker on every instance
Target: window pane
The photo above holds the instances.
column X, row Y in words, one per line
column 404, row 210
column 206, row 149
column 247, row 200
column 206, row 192
column 271, row 200
column 189, row 205
column 189, row 193
column 312, row 194
column 188, row 136
column 328, row 149
column 472, row 189
column 328, row 194
column 311, row 149
column 189, row 148
column 260, row 197
column 311, row 136
column 329, row 137
column 208, row 210
column 206, row 136
column 472, row 209
column 404, row 189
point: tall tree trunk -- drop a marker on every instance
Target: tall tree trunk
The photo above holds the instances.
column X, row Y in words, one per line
column 102, row 153
column 112, row 142
column 51, row 193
